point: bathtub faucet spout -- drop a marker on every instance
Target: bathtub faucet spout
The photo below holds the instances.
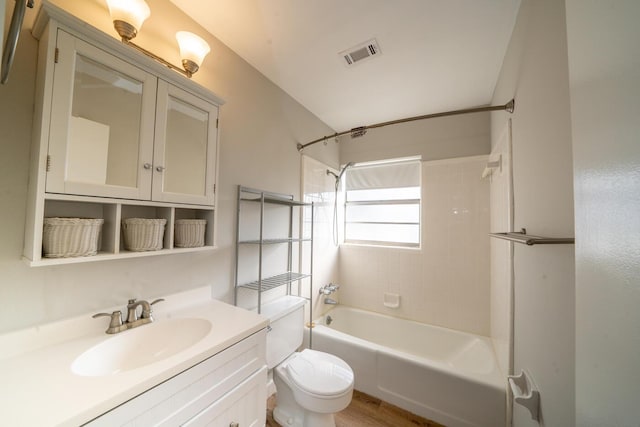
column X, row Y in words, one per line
column 330, row 301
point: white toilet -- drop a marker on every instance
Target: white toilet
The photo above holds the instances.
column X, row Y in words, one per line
column 311, row 385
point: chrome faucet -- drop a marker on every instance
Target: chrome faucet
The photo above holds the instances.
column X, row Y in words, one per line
column 328, row 289
column 133, row 321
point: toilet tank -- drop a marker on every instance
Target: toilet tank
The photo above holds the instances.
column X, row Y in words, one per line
column 286, row 315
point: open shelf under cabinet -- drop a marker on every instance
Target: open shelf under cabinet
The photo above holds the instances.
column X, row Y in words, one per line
column 111, row 240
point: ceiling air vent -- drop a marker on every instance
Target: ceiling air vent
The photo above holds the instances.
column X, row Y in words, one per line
column 361, row 52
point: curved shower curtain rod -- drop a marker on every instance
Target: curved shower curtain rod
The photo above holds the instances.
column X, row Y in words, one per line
column 12, row 37
column 360, row 131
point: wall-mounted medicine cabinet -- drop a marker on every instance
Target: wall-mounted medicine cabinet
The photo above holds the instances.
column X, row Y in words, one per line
column 116, row 136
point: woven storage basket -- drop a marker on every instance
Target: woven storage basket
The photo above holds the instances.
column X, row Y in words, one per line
column 70, row 237
column 142, row 234
column 189, row 233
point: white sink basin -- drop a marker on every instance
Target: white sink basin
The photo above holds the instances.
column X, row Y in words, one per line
column 141, row 346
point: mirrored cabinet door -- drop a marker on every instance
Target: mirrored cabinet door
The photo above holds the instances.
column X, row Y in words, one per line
column 185, row 147
column 102, row 123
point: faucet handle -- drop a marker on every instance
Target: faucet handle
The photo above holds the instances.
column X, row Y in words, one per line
column 116, row 317
column 115, row 325
column 146, row 313
column 329, row 289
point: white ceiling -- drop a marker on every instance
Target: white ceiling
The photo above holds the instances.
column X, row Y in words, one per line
column 437, row 55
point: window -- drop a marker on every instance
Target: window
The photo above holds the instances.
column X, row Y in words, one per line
column 382, row 203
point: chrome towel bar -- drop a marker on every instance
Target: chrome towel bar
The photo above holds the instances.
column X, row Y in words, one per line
column 528, row 239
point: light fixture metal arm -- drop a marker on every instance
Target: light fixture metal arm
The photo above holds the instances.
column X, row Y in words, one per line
column 157, row 58
column 359, row 131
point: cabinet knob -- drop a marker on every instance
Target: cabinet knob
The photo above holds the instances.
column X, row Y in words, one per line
column 234, row 424
column 160, row 168
column 147, row 166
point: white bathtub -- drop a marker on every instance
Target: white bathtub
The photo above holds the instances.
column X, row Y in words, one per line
column 447, row 376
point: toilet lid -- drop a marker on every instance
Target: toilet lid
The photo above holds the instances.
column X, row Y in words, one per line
column 320, row 373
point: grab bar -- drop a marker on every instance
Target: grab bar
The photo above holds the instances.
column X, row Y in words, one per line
column 12, row 37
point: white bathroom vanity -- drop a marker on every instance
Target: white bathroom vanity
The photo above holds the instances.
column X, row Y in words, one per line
column 199, row 362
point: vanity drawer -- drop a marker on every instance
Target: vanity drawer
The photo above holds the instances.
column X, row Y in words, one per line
column 182, row 397
column 244, row 406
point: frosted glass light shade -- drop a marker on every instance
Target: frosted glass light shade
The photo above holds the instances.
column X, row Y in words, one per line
column 132, row 12
column 192, row 47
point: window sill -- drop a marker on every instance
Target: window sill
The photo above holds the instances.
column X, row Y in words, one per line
column 372, row 245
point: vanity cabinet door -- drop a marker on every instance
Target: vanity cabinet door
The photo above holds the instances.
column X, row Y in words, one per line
column 102, row 124
column 185, row 150
column 244, row 406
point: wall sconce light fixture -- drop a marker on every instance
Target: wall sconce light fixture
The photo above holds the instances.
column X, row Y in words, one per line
column 129, row 15
column 192, row 50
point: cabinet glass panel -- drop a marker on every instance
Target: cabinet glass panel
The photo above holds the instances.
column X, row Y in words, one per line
column 104, row 130
column 186, row 148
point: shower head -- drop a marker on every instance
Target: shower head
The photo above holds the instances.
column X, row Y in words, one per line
column 339, row 176
column 331, row 173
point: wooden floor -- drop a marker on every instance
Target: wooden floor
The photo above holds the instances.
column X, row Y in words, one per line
column 367, row 411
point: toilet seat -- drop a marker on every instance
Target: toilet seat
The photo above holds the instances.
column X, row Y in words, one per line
column 321, row 374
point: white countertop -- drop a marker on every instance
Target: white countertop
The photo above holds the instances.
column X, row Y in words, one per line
column 38, row 388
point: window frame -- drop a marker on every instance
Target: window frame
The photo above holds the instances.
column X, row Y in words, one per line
column 382, row 202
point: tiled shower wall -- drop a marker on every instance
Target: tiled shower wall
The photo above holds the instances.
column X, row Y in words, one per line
column 318, row 187
column 446, row 281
